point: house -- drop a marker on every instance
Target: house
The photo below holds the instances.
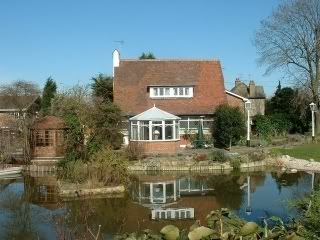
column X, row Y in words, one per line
column 19, row 106
column 47, row 138
column 10, row 139
column 190, row 90
column 242, row 92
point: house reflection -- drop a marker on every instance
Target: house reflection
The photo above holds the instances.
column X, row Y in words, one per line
column 170, row 197
column 42, row 190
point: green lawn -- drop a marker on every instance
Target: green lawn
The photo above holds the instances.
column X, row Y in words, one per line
column 305, row 151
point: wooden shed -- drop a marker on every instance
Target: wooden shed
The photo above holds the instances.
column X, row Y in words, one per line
column 47, row 137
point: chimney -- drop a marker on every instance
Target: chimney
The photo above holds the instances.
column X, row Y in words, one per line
column 115, row 60
column 237, row 82
column 252, row 89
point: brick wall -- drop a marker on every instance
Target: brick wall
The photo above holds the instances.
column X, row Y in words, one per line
column 235, row 102
column 158, row 146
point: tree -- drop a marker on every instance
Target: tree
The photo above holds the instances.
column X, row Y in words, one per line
column 290, row 39
column 288, row 105
column 92, row 123
column 228, row 126
column 148, row 55
column 102, row 87
column 49, row 91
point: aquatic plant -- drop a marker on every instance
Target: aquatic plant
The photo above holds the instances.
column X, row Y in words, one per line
column 224, row 225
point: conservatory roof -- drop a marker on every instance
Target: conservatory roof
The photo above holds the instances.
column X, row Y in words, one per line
column 154, row 114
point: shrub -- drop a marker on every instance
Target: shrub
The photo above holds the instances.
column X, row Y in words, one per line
column 264, row 127
column 106, row 167
column 109, row 166
column 235, row 164
column 200, row 157
column 219, row 156
column 228, row 125
column 256, row 156
column 134, row 151
column 73, row 171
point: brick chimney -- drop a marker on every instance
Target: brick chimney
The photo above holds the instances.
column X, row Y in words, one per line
column 237, row 82
column 252, row 89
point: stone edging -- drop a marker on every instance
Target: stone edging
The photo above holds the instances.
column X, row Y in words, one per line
column 194, row 168
column 85, row 192
column 288, row 162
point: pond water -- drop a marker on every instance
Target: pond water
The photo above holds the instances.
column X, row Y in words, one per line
column 31, row 209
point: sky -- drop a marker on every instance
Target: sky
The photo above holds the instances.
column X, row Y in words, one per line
column 73, row 40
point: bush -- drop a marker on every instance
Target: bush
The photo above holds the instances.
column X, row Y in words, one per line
column 200, row 157
column 105, row 167
column 134, row 151
column 235, row 164
column 73, row 171
column 219, row 156
column 109, row 167
column 228, row 125
column 256, row 156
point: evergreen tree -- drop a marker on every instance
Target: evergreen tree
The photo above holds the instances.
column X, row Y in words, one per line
column 148, row 55
column 102, row 87
column 229, row 125
column 49, row 91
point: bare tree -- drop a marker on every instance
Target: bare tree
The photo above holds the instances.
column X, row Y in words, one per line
column 290, row 40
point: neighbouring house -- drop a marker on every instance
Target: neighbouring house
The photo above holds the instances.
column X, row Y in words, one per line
column 19, row 106
column 10, row 135
column 190, row 90
column 47, row 138
column 242, row 92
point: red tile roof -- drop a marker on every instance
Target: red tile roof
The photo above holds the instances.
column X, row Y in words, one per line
column 49, row 122
column 133, row 77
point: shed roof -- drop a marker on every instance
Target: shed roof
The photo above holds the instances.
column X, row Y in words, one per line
column 154, row 114
column 49, row 122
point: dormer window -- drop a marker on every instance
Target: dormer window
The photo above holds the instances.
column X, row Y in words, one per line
column 171, row 92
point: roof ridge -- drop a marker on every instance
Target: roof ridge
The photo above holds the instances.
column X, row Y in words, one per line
column 170, row 59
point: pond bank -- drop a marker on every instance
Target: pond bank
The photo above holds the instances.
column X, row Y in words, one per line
column 287, row 162
column 72, row 191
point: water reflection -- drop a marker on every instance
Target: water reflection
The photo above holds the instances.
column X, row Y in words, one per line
column 30, row 207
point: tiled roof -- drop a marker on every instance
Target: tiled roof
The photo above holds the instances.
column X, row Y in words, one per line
column 11, row 103
column 133, row 77
column 49, row 122
column 243, row 90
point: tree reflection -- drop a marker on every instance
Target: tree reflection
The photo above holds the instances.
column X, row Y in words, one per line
column 18, row 224
column 286, row 179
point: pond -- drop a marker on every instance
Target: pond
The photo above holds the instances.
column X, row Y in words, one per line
column 31, row 209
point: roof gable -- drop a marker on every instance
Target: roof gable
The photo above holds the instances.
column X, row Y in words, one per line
column 154, row 114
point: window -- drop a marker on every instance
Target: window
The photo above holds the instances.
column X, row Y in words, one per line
column 171, row 92
column 155, row 91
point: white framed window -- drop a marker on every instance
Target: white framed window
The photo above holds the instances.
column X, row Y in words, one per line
column 171, row 92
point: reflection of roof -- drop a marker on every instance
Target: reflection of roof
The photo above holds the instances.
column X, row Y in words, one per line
column 154, row 114
column 49, row 122
column 16, row 103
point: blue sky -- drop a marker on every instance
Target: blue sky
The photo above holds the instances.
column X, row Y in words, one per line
column 72, row 40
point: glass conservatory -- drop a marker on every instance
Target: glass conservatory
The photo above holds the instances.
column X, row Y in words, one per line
column 155, row 129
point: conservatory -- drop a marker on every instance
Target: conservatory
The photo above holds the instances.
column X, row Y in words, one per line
column 155, row 131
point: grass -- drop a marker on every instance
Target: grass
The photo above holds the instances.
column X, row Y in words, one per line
column 305, row 151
